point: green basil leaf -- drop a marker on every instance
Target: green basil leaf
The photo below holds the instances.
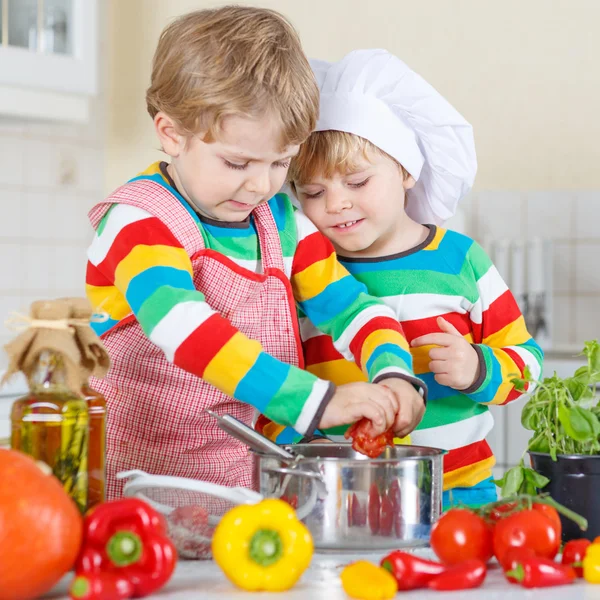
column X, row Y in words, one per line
column 592, row 350
column 576, row 387
column 529, row 417
column 592, row 420
column 519, row 384
column 500, row 482
column 582, row 374
column 576, row 425
column 513, row 479
column 535, row 478
column 539, row 443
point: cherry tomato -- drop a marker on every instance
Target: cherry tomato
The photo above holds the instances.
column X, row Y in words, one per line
column 364, row 442
column 552, row 514
column 461, row 535
column 528, row 529
column 502, row 511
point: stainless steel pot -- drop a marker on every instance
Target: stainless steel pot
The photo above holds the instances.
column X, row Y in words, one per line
column 350, row 502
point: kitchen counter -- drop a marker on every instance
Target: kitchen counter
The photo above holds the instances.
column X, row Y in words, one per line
column 203, row 580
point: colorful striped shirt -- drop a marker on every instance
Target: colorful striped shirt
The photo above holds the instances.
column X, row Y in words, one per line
column 137, row 266
column 450, row 276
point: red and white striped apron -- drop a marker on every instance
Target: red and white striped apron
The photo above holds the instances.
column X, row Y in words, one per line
column 156, row 420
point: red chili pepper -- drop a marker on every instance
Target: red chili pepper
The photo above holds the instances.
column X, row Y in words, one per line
column 537, row 572
column 410, row 571
column 463, row 576
column 513, row 558
column 127, row 538
column 574, row 553
column 100, row 586
column 364, row 442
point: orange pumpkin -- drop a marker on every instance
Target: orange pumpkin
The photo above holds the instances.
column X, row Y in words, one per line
column 40, row 528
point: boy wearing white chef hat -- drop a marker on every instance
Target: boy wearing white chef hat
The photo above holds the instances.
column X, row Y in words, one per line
column 387, row 165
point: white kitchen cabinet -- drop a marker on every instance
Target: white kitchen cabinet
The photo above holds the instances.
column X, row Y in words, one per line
column 48, row 58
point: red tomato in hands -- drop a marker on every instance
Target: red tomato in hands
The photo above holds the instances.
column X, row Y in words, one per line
column 364, row 442
column 529, row 529
column 460, row 535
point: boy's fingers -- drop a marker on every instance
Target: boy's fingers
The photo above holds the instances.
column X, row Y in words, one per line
column 434, row 339
column 447, row 327
column 440, row 353
column 443, row 379
column 438, row 366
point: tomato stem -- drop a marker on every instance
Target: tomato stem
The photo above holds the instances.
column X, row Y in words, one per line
column 525, row 500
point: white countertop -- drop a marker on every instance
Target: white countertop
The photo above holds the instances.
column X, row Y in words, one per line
column 203, row 580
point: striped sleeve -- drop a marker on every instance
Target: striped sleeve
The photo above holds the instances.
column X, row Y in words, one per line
column 362, row 327
column 502, row 341
column 136, row 265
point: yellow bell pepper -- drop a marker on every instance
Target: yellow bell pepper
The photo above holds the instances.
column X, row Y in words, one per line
column 262, row 546
column 365, row 581
column 591, row 564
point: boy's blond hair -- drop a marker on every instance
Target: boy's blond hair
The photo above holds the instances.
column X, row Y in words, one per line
column 235, row 60
column 326, row 153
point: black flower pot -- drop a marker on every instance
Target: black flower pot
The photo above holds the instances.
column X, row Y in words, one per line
column 574, row 483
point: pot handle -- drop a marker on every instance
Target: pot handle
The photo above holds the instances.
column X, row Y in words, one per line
column 139, row 480
column 284, row 471
column 316, row 478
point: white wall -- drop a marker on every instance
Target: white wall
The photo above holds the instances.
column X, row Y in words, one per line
column 525, row 73
column 51, row 174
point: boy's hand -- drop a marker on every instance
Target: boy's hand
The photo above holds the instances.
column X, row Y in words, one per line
column 454, row 362
column 353, row 401
column 411, row 403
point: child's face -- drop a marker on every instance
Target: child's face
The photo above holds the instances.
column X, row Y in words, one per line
column 362, row 212
column 226, row 179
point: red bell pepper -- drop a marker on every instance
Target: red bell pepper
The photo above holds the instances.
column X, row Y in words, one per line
column 574, row 553
column 100, row 586
column 463, row 576
column 537, row 572
column 126, row 538
column 364, row 442
column 410, row 571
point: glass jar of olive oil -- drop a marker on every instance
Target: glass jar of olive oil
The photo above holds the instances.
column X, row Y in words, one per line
column 51, row 424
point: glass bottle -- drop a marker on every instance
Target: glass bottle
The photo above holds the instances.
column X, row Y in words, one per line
column 51, row 424
column 97, row 445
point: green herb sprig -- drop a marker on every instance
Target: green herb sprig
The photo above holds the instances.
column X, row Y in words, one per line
column 564, row 415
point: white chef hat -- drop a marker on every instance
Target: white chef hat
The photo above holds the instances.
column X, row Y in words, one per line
column 373, row 94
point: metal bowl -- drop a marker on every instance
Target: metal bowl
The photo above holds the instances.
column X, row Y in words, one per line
column 350, row 502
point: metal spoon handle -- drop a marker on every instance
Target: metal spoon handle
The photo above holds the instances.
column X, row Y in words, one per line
column 249, row 436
